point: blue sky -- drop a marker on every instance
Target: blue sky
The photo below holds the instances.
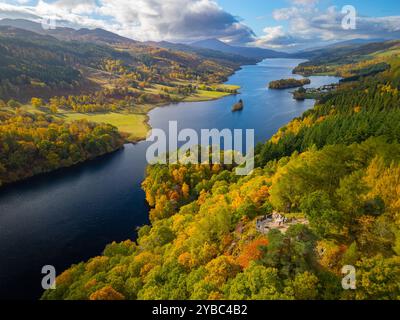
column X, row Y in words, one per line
column 279, row 24
column 258, row 13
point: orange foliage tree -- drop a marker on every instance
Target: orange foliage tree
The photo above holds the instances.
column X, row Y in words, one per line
column 251, row 252
column 106, row 293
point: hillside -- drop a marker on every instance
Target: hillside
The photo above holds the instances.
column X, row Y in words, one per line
column 347, row 60
column 331, row 176
column 41, row 65
column 37, row 65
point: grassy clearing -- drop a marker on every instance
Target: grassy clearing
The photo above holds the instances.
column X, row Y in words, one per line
column 203, row 95
column 228, row 86
column 135, row 125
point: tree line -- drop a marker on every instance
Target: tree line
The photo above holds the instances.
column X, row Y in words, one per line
column 31, row 144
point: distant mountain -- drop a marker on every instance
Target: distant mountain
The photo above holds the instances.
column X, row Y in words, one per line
column 348, row 45
column 341, row 44
column 344, row 50
column 69, row 34
column 23, row 24
column 214, row 44
column 211, row 48
column 250, row 52
column 328, row 60
column 356, row 42
column 95, row 35
column 204, row 52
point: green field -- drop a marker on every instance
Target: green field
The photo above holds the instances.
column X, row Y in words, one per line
column 204, row 95
column 135, row 125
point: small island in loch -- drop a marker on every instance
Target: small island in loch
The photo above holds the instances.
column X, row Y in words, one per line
column 288, row 83
column 238, row 106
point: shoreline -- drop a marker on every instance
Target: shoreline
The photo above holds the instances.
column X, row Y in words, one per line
column 155, row 106
column 127, row 140
column 135, row 141
column 4, row 186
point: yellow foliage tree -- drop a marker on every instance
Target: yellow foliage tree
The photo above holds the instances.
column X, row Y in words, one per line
column 185, row 190
column 36, row 102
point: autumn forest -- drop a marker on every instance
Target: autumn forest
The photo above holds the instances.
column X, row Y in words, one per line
column 324, row 193
column 335, row 170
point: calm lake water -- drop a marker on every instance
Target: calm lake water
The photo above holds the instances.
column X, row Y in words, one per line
column 70, row 215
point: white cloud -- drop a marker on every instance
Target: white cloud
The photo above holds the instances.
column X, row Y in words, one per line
column 305, row 2
column 275, row 37
column 174, row 20
column 309, row 25
column 76, row 6
column 301, row 24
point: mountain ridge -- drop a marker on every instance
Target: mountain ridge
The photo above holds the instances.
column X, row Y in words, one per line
column 252, row 52
column 97, row 35
column 102, row 36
